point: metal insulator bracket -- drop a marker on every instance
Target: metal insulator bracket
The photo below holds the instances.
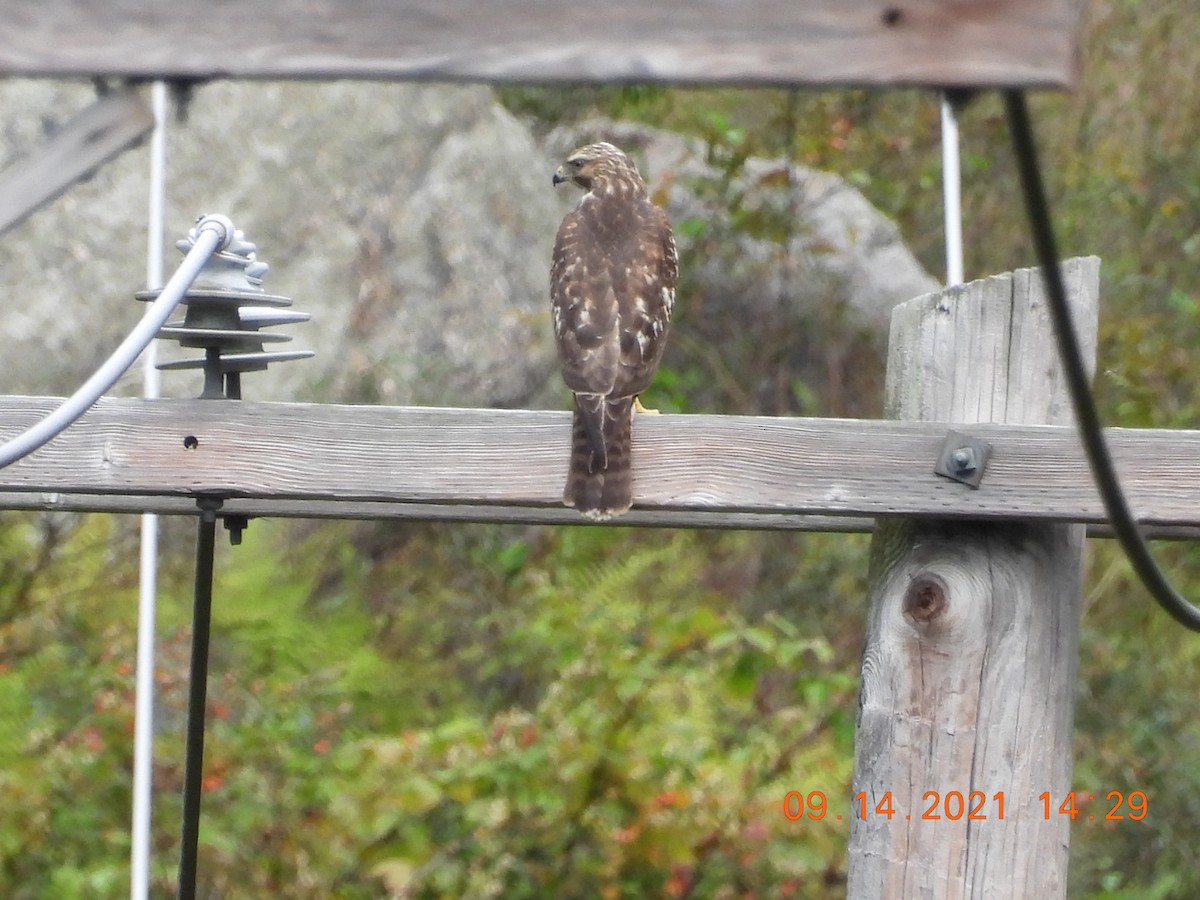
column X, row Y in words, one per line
column 226, row 311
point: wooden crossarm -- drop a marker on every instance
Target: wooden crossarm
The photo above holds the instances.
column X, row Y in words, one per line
column 300, row 459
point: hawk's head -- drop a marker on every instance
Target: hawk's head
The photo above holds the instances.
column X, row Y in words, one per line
column 596, row 166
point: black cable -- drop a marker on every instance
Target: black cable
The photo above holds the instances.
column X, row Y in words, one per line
column 193, row 765
column 1124, row 527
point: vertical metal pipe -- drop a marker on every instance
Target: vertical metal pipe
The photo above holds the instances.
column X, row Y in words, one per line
column 952, row 193
column 193, row 767
column 143, row 735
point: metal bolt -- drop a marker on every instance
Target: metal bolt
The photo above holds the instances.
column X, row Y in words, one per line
column 235, row 525
column 964, row 460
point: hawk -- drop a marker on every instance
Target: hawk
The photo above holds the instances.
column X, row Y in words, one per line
column 612, row 288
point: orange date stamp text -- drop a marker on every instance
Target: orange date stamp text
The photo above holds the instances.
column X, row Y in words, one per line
column 973, row 806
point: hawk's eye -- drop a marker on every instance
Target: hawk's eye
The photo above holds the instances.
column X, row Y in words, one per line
column 575, row 163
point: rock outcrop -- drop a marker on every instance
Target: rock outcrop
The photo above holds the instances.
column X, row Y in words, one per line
column 414, row 223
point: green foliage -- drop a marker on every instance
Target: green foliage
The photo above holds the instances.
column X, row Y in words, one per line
column 65, row 703
column 619, row 729
column 542, row 106
column 654, row 763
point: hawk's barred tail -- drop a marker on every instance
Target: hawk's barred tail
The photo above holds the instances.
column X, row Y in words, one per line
column 601, row 492
column 593, row 410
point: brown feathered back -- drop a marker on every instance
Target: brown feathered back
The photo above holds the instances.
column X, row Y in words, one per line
column 612, row 288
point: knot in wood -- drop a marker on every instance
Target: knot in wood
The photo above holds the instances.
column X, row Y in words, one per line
column 925, row 600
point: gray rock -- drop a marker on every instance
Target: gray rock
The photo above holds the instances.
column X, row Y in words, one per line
column 413, row 222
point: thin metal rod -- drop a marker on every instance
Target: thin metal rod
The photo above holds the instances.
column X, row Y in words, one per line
column 193, row 766
column 212, row 233
column 1124, row 526
column 155, row 226
column 951, row 193
column 143, row 727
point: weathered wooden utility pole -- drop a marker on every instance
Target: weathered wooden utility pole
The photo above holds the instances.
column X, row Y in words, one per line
column 968, row 674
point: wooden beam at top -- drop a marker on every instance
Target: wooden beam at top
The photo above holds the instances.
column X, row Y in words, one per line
column 988, row 43
column 685, row 466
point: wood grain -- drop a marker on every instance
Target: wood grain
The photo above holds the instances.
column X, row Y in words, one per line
column 517, row 459
column 111, row 125
column 932, row 42
column 968, row 674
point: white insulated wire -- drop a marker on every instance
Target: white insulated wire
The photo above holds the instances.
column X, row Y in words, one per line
column 210, row 235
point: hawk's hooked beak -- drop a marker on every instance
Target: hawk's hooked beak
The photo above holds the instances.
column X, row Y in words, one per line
column 559, row 177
